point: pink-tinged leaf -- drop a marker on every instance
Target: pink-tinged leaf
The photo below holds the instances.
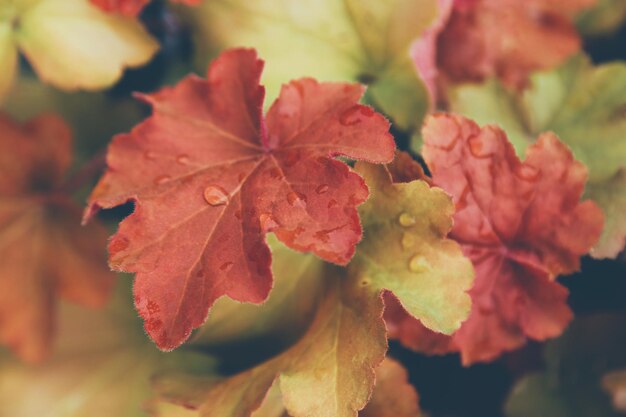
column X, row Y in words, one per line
column 210, row 176
column 507, row 39
column 424, row 52
column 521, row 224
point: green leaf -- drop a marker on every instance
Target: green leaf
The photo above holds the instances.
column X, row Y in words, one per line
column 405, row 250
column 585, row 106
column 349, row 40
column 603, row 19
column 71, row 44
column 8, row 58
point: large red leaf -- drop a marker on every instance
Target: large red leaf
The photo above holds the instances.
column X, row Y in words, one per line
column 521, row 224
column 44, row 252
column 210, row 177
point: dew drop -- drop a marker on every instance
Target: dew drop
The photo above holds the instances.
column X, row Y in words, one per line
column 408, row 241
column 322, row 189
column 267, row 221
column 149, row 155
column 406, row 220
column 296, row 199
column 332, row 203
column 292, row 198
column 226, row 266
column 182, row 159
column 162, row 179
column 419, row 264
column 215, row 195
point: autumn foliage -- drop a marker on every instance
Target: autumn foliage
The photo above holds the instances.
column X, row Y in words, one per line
column 348, row 192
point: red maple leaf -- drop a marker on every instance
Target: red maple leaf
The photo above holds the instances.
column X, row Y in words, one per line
column 131, row 7
column 45, row 253
column 521, row 224
column 210, row 177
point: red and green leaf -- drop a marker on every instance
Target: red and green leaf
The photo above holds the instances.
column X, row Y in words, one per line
column 521, row 224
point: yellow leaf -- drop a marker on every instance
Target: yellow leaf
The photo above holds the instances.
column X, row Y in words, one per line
column 405, row 249
column 350, row 40
column 8, row 59
column 73, row 44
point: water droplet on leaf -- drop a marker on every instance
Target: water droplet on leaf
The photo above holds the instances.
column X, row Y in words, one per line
column 226, row 266
column 406, row 220
column 419, row 264
column 296, row 199
column 182, row 159
column 267, row 222
column 322, row 189
column 215, row 195
column 408, row 240
column 162, row 179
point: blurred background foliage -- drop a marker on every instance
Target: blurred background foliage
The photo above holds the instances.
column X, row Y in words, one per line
column 562, row 377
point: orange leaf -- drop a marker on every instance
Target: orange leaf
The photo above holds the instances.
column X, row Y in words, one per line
column 45, row 253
